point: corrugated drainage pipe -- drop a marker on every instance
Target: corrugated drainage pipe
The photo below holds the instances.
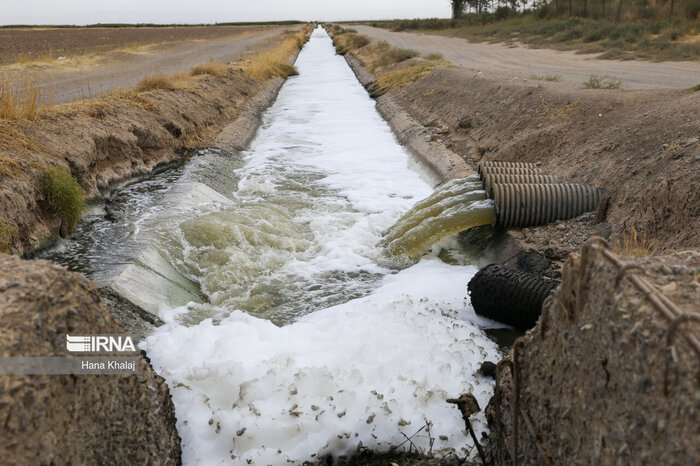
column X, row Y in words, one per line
column 485, row 171
column 497, row 163
column 522, row 205
column 493, row 179
column 509, row 296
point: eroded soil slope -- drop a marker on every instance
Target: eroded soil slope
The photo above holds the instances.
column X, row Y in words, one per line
column 69, row 419
column 641, row 147
column 112, row 139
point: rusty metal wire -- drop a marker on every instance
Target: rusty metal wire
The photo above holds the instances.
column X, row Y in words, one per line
column 660, row 302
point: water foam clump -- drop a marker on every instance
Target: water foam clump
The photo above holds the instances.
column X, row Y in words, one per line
column 358, row 375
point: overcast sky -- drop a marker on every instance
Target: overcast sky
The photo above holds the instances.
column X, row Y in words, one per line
column 211, row 11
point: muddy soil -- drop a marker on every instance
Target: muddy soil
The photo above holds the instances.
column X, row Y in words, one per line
column 73, row 419
column 518, row 63
column 176, row 49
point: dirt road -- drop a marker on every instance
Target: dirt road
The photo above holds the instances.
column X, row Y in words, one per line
column 520, row 63
column 120, row 69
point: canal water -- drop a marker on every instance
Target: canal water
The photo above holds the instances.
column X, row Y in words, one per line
column 310, row 340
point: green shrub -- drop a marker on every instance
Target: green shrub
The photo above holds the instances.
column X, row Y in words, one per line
column 7, row 233
column 395, row 55
column 692, row 9
column 66, row 197
column 502, row 12
column 695, row 88
column 345, row 43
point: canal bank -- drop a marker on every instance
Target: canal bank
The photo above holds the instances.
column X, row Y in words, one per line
column 642, row 148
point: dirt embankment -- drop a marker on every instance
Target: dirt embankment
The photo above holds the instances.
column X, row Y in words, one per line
column 109, row 141
column 598, row 380
column 73, row 419
column 641, row 147
column 101, row 141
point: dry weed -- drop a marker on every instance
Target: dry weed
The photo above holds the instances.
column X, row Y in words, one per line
column 23, row 103
column 163, row 81
column 546, row 77
column 274, row 62
column 604, row 82
column 211, row 67
column 634, row 244
column 405, row 76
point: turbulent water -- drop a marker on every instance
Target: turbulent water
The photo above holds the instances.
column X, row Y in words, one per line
column 313, row 341
column 456, row 206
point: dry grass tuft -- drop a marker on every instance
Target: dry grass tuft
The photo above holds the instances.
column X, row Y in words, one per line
column 163, row 81
column 135, row 100
column 433, row 56
column 604, row 82
column 7, row 234
column 405, row 76
column 211, row 68
column 274, row 62
column 634, row 244
column 24, row 103
column 546, row 77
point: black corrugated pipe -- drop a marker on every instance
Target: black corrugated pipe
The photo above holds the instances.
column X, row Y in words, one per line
column 509, row 296
column 492, row 179
column 522, row 205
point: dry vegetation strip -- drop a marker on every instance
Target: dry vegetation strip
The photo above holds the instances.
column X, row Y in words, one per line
column 25, row 114
column 385, row 61
column 275, row 61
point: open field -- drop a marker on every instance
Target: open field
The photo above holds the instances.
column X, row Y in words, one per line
column 519, row 63
column 114, row 60
column 46, row 44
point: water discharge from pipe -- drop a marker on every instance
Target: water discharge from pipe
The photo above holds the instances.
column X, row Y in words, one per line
column 456, row 206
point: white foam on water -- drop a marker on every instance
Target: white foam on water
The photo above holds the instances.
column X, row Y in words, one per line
column 362, row 373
